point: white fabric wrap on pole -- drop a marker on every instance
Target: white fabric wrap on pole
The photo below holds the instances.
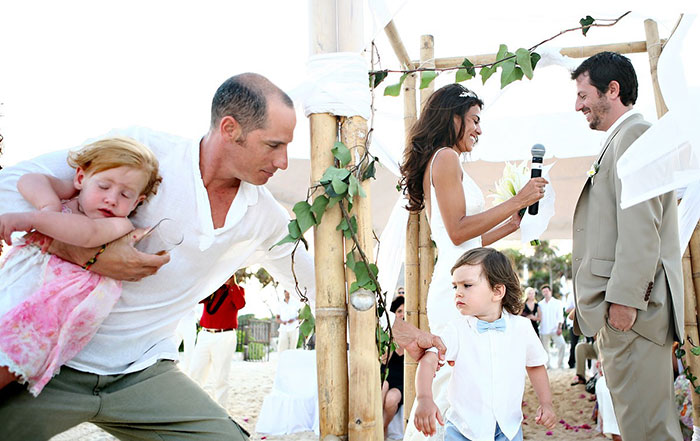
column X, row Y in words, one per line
column 667, row 156
column 696, row 433
column 336, row 83
column 532, row 227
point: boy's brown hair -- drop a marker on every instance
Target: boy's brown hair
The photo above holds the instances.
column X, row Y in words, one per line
column 498, row 270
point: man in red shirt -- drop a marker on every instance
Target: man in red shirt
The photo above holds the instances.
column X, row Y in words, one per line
column 216, row 342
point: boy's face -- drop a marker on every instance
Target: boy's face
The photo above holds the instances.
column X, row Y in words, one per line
column 473, row 295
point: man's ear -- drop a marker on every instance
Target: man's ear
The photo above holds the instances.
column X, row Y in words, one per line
column 613, row 90
column 499, row 291
column 79, row 178
column 230, row 129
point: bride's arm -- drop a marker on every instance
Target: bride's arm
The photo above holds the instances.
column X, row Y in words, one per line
column 447, row 179
column 502, row 231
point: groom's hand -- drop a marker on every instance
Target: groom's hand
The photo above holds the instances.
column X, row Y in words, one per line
column 621, row 317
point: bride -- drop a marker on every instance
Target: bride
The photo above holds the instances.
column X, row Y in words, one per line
column 432, row 177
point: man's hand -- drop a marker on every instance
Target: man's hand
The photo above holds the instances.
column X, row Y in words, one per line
column 559, row 329
column 415, row 342
column 621, row 317
column 120, row 260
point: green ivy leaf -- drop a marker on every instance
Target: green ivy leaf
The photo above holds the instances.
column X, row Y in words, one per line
column 374, row 269
column 427, row 77
column 522, row 56
column 341, row 153
column 354, row 286
column 507, row 69
column 695, row 350
column 333, row 200
column 334, row 173
column 362, row 274
column 375, row 78
column 395, row 89
column 369, row 171
column 287, row 239
column 350, row 261
column 534, row 59
column 502, row 53
column 319, row 207
column 339, row 186
column 294, row 230
column 306, row 328
column 586, row 22
column 355, row 187
column 305, row 313
column 466, row 72
column 486, row 73
column 305, row 217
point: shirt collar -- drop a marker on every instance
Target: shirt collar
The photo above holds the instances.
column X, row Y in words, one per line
column 471, row 320
column 630, row 113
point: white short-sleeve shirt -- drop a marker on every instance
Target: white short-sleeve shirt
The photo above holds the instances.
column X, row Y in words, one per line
column 139, row 330
column 488, row 379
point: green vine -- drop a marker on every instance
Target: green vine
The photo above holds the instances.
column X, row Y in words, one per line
column 342, row 182
column 514, row 65
column 680, row 354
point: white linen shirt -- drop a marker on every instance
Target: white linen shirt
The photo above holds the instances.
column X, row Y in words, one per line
column 289, row 311
column 552, row 315
column 138, row 332
column 488, row 379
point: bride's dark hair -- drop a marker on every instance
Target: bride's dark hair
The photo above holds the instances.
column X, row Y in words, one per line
column 434, row 129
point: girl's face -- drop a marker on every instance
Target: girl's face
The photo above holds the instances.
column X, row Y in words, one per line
column 472, row 129
column 473, row 295
column 531, row 294
column 110, row 193
column 399, row 313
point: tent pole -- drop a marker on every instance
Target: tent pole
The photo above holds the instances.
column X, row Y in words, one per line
column 425, row 243
column 654, row 49
column 411, row 268
column 331, row 311
column 397, row 44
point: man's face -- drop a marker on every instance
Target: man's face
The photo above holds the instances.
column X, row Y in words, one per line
column 264, row 151
column 286, row 296
column 547, row 292
column 594, row 105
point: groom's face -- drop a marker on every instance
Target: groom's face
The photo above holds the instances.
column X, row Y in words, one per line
column 593, row 104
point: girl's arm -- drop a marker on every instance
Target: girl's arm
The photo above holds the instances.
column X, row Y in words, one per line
column 447, row 173
column 426, row 410
column 540, row 383
column 45, row 192
column 73, row 229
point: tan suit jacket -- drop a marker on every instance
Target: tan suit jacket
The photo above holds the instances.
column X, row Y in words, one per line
column 630, row 257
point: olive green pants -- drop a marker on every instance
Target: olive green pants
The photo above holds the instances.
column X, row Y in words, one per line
column 158, row 403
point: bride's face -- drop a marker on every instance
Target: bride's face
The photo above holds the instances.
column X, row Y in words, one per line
column 472, row 129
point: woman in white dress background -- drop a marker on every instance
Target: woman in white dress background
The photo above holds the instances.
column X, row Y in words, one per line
column 433, row 178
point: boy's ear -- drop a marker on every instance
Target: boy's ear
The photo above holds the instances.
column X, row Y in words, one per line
column 499, row 291
column 78, row 178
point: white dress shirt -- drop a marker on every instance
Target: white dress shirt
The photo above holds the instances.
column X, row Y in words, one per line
column 552, row 315
column 139, row 330
column 288, row 311
column 488, row 378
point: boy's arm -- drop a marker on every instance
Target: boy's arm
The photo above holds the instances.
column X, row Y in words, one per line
column 45, row 192
column 426, row 410
column 73, row 229
column 540, row 383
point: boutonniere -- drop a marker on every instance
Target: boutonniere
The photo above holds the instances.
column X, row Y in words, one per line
column 593, row 170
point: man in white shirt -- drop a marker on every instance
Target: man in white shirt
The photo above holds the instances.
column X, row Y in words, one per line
column 125, row 380
column 551, row 324
column 289, row 325
column 627, row 270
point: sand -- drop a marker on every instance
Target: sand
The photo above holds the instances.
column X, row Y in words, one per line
column 254, row 381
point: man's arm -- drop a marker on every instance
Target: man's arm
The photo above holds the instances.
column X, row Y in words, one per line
column 119, row 261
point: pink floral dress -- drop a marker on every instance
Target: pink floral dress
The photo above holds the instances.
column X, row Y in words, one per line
column 54, row 319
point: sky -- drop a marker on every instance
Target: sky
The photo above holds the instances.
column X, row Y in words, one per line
column 74, row 69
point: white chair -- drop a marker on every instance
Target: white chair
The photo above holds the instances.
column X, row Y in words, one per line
column 292, row 405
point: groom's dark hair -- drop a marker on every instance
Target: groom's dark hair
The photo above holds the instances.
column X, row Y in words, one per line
column 605, row 67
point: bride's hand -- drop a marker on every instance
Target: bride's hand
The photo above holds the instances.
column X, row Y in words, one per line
column 514, row 221
column 532, row 192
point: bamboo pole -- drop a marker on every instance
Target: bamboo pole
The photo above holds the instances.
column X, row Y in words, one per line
column 573, row 52
column 331, row 311
column 397, row 44
column 654, row 48
column 425, row 243
column 365, row 422
column 691, row 287
column 411, row 269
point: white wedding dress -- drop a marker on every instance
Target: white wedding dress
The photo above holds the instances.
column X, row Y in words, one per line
column 441, row 308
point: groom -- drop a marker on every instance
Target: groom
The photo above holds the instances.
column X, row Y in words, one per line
column 626, row 263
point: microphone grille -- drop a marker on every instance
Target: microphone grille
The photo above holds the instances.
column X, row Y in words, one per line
column 537, row 150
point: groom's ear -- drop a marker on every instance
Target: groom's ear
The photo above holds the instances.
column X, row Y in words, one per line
column 613, row 90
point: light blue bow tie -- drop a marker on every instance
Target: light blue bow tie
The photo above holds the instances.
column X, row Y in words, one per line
column 498, row 325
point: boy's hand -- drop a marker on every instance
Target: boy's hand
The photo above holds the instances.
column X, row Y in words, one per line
column 426, row 413
column 545, row 416
column 11, row 222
